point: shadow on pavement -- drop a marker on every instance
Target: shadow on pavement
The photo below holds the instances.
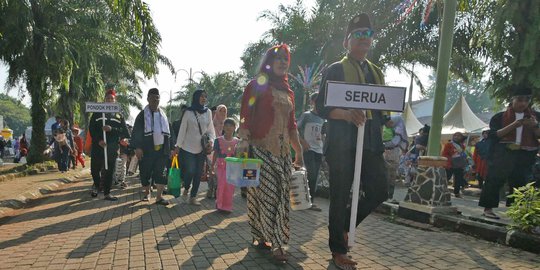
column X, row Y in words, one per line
column 82, row 193
column 84, row 203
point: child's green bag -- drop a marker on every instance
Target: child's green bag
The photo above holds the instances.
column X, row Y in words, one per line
column 174, row 181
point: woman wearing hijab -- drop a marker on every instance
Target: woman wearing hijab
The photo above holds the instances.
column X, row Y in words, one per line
column 395, row 144
column 268, row 129
column 219, row 119
column 219, row 115
column 195, row 130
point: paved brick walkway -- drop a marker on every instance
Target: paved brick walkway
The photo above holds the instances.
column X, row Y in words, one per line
column 71, row 230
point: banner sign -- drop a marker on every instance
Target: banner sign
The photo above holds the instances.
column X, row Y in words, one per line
column 103, row 107
column 365, row 96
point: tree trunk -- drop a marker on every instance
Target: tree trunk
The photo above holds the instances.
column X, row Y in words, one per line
column 39, row 141
column 36, row 89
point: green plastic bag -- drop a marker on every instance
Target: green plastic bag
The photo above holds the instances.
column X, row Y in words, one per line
column 174, row 180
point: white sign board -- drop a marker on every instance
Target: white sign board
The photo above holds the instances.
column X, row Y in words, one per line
column 103, row 107
column 365, row 96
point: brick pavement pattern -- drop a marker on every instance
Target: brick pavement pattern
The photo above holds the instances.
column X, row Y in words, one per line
column 71, row 230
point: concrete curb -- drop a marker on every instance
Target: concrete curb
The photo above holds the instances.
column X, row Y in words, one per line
column 21, row 200
column 491, row 231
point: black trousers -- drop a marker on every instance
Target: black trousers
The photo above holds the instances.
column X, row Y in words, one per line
column 514, row 166
column 459, row 179
column 97, row 164
column 153, row 166
column 313, row 161
column 373, row 192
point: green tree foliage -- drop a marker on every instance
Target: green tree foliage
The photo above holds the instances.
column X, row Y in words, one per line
column 16, row 115
column 511, row 38
column 65, row 50
column 252, row 57
column 222, row 88
column 317, row 35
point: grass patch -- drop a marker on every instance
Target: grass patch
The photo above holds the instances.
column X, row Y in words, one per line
column 28, row 169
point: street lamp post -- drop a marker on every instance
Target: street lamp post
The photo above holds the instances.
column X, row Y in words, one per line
column 170, row 105
column 190, row 74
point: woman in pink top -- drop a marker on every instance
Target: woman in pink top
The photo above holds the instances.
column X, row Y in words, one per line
column 224, row 146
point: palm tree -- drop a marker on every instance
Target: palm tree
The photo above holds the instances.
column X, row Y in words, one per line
column 222, row 88
column 44, row 43
column 114, row 54
column 36, row 49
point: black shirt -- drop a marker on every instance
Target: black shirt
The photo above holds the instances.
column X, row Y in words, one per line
column 341, row 135
column 146, row 143
column 119, row 131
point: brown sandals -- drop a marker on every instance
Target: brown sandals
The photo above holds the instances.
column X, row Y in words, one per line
column 279, row 255
column 261, row 245
column 343, row 262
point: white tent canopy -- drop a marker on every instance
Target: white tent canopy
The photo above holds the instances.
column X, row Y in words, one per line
column 460, row 118
column 411, row 122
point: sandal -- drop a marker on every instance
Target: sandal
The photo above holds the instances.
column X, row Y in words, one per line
column 279, row 255
column 162, row 202
column 261, row 245
column 94, row 192
column 490, row 215
column 341, row 261
column 110, row 198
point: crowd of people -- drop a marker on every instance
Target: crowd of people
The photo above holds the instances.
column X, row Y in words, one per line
column 66, row 145
column 15, row 147
column 203, row 137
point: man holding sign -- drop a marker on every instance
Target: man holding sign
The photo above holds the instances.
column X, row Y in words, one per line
column 341, row 140
column 106, row 130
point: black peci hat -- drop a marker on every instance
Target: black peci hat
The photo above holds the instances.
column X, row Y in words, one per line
column 358, row 21
column 520, row 90
column 153, row 91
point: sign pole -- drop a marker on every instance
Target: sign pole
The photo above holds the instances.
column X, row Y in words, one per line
column 105, row 140
column 356, row 183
